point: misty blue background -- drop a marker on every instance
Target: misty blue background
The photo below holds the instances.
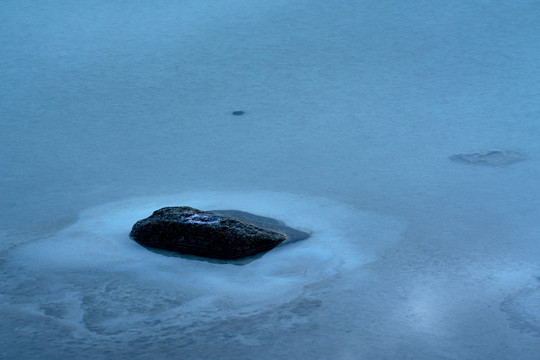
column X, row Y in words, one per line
column 359, row 102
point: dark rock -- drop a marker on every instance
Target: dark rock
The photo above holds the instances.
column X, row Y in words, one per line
column 238, row 112
column 208, row 234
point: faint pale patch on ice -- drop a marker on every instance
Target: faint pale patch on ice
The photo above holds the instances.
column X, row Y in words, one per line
column 118, row 285
column 489, row 157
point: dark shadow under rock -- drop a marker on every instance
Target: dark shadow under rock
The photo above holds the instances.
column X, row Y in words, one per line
column 489, row 157
column 223, row 234
column 238, row 261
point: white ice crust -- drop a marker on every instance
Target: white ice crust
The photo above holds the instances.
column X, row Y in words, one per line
column 343, row 238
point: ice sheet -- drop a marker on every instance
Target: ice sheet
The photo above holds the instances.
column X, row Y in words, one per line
column 361, row 102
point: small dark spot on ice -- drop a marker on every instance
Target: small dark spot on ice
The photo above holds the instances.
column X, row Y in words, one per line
column 238, row 112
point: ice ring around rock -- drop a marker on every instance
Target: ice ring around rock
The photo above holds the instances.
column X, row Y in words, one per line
column 101, row 282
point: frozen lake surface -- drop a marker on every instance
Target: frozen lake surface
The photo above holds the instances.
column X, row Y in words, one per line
column 402, row 135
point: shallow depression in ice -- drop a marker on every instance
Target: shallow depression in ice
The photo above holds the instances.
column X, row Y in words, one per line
column 96, row 260
column 523, row 309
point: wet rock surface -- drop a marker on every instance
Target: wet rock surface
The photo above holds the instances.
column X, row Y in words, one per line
column 218, row 234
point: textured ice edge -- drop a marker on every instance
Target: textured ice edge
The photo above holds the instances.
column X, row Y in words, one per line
column 489, row 157
column 94, row 263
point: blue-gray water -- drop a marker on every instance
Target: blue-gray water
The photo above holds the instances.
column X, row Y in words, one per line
column 353, row 110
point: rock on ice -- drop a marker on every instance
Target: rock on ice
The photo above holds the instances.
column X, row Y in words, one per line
column 190, row 231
